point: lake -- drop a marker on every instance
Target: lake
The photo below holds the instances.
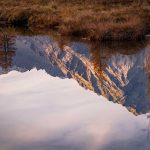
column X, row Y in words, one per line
column 60, row 93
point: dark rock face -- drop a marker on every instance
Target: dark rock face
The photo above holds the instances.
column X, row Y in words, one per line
column 121, row 78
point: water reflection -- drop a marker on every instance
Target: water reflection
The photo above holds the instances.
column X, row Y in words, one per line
column 119, row 72
column 7, row 50
column 40, row 112
column 34, row 116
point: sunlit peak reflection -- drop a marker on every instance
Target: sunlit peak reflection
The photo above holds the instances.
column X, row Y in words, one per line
column 118, row 72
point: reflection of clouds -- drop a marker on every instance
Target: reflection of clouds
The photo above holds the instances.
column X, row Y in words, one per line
column 41, row 112
column 133, row 144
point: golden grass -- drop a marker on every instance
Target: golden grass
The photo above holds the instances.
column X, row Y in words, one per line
column 95, row 20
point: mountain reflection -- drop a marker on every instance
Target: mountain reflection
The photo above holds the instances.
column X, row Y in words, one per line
column 120, row 72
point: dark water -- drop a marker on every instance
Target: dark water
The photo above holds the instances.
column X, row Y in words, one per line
column 62, row 93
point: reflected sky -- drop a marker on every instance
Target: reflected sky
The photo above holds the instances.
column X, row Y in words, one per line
column 41, row 112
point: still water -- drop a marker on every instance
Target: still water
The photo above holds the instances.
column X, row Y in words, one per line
column 67, row 94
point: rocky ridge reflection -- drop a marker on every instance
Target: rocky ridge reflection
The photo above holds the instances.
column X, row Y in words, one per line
column 121, row 74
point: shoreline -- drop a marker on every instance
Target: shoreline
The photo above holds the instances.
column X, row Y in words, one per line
column 106, row 38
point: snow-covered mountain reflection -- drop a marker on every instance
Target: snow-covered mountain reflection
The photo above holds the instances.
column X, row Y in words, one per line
column 121, row 78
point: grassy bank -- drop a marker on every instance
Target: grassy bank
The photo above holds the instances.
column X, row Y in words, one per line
column 95, row 20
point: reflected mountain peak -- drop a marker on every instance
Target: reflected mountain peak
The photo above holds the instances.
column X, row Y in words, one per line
column 120, row 76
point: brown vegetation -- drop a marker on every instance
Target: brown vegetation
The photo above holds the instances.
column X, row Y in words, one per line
column 95, row 20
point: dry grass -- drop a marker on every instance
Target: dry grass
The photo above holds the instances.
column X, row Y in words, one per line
column 95, row 20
